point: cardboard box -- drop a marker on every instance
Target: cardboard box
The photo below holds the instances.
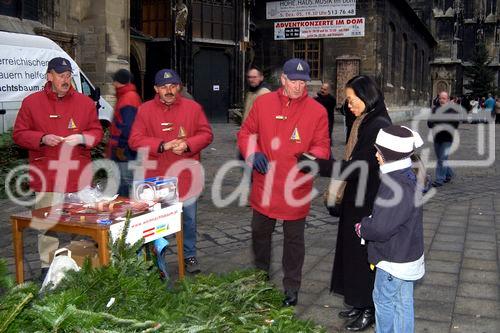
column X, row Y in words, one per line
column 80, row 250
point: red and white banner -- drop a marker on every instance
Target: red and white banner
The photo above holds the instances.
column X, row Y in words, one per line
column 330, row 28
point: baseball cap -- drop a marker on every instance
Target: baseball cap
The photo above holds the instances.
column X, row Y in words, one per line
column 166, row 76
column 59, row 65
column 297, row 69
column 122, row 76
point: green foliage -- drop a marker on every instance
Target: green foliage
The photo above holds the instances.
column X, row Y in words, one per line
column 241, row 301
column 11, row 156
column 482, row 77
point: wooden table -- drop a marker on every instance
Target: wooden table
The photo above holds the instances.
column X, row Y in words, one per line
column 40, row 219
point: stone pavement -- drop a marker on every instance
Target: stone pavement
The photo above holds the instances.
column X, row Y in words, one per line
column 459, row 292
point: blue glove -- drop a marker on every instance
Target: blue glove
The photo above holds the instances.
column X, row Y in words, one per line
column 259, row 162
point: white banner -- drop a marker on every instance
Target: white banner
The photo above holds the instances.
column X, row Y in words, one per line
column 150, row 226
column 333, row 28
column 277, row 10
column 23, row 70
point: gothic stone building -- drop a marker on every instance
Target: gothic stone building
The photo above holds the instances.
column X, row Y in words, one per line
column 395, row 50
column 457, row 26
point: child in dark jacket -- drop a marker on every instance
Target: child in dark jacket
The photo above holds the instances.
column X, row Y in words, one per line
column 394, row 231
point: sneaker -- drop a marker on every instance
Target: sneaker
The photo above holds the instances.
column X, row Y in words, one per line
column 192, row 266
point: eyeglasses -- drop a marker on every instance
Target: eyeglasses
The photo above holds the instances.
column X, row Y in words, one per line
column 252, row 77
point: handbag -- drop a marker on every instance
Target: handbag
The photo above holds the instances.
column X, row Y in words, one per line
column 332, row 198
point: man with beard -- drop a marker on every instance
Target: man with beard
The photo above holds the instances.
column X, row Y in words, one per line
column 58, row 126
column 174, row 130
column 329, row 102
column 256, row 87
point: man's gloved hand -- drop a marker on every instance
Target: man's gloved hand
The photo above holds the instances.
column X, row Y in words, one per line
column 305, row 157
column 259, row 162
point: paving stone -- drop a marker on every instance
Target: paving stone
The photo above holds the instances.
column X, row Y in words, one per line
column 442, row 266
column 476, row 307
column 434, row 293
column 486, row 265
column 467, row 324
column 433, row 310
column 444, row 255
column 427, row 326
column 480, row 254
column 452, row 230
column 480, row 245
column 440, row 279
column 478, row 290
column 447, row 246
column 478, row 276
column 449, row 238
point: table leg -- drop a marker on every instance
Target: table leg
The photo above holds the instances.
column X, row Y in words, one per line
column 179, row 237
column 17, row 235
column 102, row 242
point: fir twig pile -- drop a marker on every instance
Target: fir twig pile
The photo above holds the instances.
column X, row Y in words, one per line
column 241, row 301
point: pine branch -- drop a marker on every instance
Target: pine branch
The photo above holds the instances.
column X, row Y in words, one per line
column 15, row 312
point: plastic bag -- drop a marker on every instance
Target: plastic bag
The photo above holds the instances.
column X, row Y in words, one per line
column 58, row 268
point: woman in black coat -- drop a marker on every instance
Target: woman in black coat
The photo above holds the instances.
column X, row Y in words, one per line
column 352, row 276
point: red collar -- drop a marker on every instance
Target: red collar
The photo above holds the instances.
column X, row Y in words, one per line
column 52, row 95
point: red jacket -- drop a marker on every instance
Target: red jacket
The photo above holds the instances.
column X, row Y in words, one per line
column 127, row 103
column 44, row 113
column 283, row 128
column 148, row 132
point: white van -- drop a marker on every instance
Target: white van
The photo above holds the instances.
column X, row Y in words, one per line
column 23, row 67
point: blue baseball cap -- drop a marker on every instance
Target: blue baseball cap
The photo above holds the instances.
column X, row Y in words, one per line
column 59, row 65
column 296, row 69
column 166, row 76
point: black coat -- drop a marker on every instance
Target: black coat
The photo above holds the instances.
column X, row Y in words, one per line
column 351, row 275
column 330, row 103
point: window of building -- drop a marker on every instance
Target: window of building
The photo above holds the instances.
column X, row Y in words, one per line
column 26, row 9
column 310, row 51
column 491, row 7
column 391, row 45
column 213, row 19
column 156, row 18
column 404, row 54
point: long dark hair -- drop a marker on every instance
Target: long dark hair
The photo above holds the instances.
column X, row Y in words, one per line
column 366, row 89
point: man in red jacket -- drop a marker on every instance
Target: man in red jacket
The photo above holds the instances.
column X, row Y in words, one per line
column 127, row 102
column 173, row 130
column 58, row 126
column 281, row 125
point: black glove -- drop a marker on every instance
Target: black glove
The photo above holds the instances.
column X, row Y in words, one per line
column 305, row 157
column 259, row 162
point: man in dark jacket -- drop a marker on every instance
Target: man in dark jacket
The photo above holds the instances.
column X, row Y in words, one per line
column 444, row 122
column 326, row 99
column 127, row 102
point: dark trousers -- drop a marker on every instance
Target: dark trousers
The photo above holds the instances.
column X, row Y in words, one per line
column 293, row 247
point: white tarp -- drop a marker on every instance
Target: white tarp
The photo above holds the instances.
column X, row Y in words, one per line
column 23, row 70
column 330, row 28
column 150, row 226
column 277, row 10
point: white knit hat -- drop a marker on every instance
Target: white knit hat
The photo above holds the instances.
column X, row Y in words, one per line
column 395, row 143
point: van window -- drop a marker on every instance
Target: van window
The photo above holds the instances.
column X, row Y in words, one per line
column 86, row 87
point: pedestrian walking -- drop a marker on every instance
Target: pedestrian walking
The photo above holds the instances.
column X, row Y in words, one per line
column 325, row 98
column 351, row 275
column 281, row 125
column 444, row 125
column 127, row 102
column 58, row 126
column 256, row 87
column 497, row 110
column 394, row 231
column 174, row 130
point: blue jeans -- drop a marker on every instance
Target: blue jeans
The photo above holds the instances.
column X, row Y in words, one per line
column 393, row 299
column 443, row 171
column 126, row 179
column 189, row 227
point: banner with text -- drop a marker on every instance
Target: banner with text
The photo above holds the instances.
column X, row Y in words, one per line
column 277, row 10
column 334, row 28
column 23, row 70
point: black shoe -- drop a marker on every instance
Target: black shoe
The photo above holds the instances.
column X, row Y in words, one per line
column 436, row 184
column 447, row 180
column 192, row 266
column 350, row 313
column 291, row 298
column 365, row 320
